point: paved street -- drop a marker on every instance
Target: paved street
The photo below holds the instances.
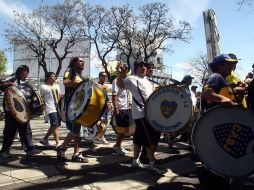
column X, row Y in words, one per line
column 105, row 169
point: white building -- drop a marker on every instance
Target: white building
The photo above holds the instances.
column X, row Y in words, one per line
column 25, row 56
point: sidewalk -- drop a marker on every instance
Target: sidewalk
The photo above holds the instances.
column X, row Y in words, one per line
column 105, row 169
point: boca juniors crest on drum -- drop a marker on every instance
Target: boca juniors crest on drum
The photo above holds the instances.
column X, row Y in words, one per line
column 86, row 104
column 223, row 139
column 24, row 102
column 168, row 109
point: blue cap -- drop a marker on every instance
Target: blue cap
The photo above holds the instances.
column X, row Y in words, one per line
column 222, row 58
column 187, row 78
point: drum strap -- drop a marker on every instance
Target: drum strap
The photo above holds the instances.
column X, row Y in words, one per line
column 143, row 99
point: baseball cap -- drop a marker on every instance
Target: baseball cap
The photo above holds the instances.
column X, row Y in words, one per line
column 137, row 63
column 187, row 78
column 150, row 64
column 223, row 58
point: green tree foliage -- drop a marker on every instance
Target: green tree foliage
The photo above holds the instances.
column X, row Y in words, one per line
column 3, row 62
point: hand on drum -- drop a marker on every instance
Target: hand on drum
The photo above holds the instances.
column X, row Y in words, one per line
column 227, row 102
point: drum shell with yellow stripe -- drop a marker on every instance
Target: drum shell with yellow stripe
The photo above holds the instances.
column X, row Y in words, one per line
column 86, row 104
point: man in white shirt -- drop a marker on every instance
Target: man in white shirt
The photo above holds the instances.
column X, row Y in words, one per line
column 50, row 91
column 144, row 135
column 120, row 100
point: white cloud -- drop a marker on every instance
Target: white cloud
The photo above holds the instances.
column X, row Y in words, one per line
column 7, row 8
column 189, row 10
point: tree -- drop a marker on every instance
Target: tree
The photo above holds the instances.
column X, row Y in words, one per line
column 104, row 29
column 151, row 30
column 246, row 3
column 200, row 68
column 3, row 62
column 44, row 29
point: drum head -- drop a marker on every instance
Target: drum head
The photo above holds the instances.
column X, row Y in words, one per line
column 89, row 133
column 61, row 109
column 17, row 104
column 86, row 104
column 168, row 109
column 79, row 100
column 223, row 138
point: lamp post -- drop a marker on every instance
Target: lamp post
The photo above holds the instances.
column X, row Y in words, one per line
column 39, row 55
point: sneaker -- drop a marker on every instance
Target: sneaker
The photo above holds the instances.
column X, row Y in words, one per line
column 79, row 158
column 6, row 154
column 60, row 151
column 101, row 141
column 120, row 150
column 144, row 160
column 33, row 152
column 137, row 164
column 155, row 168
column 44, row 142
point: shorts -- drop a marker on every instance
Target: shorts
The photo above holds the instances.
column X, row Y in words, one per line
column 144, row 134
column 54, row 119
column 122, row 121
column 75, row 129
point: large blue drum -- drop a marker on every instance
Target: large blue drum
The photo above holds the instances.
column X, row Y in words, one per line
column 223, row 139
column 24, row 102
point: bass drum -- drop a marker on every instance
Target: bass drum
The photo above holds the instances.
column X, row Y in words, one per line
column 89, row 133
column 24, row 102
column 86, row 104
column 223, row 139
column 132, row 125
column 61, row 109
column 168, row 109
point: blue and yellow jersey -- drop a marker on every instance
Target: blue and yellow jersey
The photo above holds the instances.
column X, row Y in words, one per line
column 220, row 86
column 73, row 75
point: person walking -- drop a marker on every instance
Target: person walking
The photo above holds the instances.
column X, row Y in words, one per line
column 72, row 77
column 144, row 135
column 50, row 91
column 12, row 125
column 103, row 121
column 120, row 100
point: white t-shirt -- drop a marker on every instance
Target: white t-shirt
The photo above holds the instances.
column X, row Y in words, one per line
column 132, row 83
column 123, row 96
column 193, row 99
column 50, row 94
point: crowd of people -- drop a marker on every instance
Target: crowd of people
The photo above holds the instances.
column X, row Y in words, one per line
column 129, row 96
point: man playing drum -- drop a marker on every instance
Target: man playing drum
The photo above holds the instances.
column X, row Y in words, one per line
column 72, row 77
column 144, row 134
column 149, row 72
column 50, row 91
column 120, row 100
column 217, row 92
column 12, row 125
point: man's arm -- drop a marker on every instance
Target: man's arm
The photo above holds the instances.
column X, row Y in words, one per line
column 209, row 94
column 120, row 78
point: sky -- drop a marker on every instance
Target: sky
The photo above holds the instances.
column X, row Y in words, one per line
column 235, row 27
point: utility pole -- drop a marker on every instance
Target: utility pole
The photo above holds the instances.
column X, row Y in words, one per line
column 212, row 35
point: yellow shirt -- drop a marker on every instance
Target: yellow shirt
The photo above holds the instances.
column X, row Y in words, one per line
column 233, row 79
